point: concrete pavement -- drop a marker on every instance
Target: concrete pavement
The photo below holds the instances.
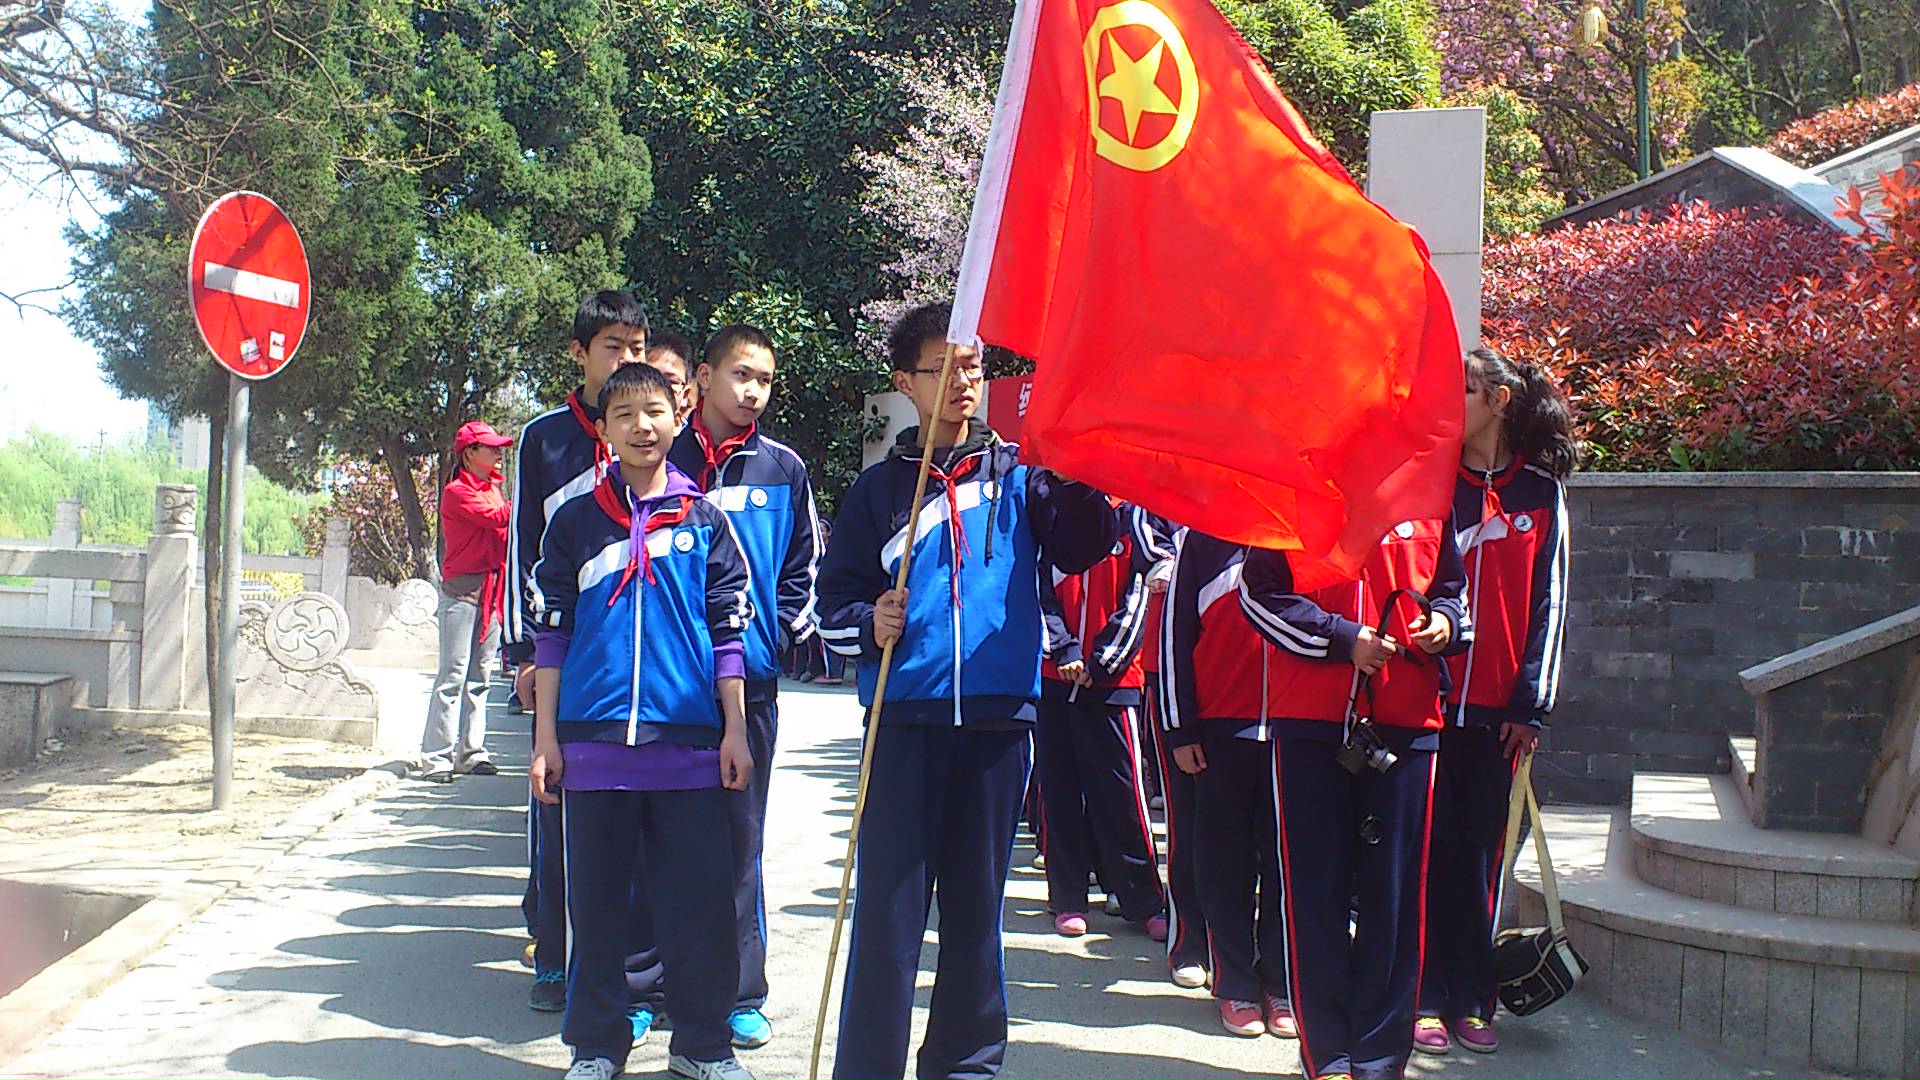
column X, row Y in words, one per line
column 388, row 946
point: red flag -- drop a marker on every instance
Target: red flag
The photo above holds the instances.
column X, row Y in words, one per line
column 1226, row 330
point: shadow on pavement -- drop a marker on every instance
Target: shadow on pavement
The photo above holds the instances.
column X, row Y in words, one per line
column 371, row 1059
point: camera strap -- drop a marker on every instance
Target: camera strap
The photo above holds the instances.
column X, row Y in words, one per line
column 1362, row 682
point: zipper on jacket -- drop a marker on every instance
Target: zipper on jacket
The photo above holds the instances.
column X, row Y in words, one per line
column 639, row 624
column 1473, row 604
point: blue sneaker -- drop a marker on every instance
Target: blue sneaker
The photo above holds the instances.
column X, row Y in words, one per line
column 642, row 1020
column 549, row 993
column 750, row 1029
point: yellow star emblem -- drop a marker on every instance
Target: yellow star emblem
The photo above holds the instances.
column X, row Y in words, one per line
column 1134, row 84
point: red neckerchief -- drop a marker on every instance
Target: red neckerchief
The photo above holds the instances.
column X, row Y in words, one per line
column 958, row 532
column 1490, row 485
column 639, row 559
column 601, row 454
column 716, row 456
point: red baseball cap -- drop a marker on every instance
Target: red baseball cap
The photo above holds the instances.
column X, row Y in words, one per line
column 478, row 432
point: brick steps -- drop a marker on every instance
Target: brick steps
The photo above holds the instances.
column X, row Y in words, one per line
column 1806, row 990
column 1692, row 836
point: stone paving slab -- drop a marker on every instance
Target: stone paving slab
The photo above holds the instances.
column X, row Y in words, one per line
column 387, row 946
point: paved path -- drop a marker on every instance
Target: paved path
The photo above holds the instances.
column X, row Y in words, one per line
column 388, row 945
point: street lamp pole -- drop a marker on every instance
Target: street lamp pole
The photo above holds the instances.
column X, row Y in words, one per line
column 1642, row 104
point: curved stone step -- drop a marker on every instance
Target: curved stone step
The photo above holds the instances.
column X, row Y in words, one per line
column 1805, row 990
column 1691, row 835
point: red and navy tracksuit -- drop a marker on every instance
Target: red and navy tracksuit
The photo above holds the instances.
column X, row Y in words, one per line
column 1215, row 691
column 1086, row 741
column 1355, row 847
column 559, row 456
column 950, row 761
column 1512, row 535
column 762, row 486
column 1158, row 540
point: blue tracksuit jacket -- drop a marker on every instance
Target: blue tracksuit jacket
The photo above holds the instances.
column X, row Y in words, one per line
column 643, row 603
column 762, row 486
column 971, row 652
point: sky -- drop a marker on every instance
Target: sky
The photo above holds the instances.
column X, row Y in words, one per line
column 49, row 378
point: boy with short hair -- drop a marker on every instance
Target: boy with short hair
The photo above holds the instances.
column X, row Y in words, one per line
column 762, row 485
column 672, row 354
column 950, row 766
column 561, row 454
column 640, row 732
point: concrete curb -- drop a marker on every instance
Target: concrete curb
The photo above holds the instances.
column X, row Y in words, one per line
column 47, row 1000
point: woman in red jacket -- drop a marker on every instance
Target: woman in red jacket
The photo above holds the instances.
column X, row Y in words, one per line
column 473, row 532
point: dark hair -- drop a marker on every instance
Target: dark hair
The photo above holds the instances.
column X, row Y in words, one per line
column 634, row 379
column 609, row 307
column 736, row 336
column 1537, row 425
column 675, row 343
column 912, row 331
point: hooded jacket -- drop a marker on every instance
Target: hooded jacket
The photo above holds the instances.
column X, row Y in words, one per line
column 970, row 656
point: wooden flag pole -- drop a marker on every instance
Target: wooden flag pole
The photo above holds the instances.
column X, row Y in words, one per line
column 873, row 714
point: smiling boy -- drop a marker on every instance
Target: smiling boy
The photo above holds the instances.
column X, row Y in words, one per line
column 640, row 733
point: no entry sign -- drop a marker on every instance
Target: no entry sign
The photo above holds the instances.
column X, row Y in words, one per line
column 249, row 282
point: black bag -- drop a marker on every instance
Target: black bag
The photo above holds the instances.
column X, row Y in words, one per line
column 1535, row 966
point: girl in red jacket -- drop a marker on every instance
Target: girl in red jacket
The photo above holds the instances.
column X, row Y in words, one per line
column 1511, row 512
column 1356, row 683
column 473, row 535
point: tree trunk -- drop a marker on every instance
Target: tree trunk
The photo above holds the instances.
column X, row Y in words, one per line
column 394, row 450
column 213, row 534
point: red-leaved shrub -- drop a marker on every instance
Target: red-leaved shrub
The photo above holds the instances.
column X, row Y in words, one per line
column 1826, row 135
column 1616, row 286
column 1725, row 340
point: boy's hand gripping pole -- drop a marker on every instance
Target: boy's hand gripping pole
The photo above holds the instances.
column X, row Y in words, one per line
column 873, row 714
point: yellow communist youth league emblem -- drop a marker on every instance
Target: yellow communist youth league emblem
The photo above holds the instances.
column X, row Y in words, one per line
column 1139, row 73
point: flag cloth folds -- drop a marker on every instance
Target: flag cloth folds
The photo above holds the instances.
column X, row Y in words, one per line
column 1226, row 331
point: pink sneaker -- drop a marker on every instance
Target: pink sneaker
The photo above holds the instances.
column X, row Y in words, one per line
column 1279, row 1016
column 1156, row 928
column 1070, row 924
column 1430, row 1035
column 1475, row 1034
column 1242, row 1018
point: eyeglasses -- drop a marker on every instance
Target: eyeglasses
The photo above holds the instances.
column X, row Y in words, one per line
column 971, row 373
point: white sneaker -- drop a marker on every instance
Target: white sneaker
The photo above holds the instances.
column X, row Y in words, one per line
column 724, row 1069
column 1190, row 976
column 592, row 1069
column 1113, row 906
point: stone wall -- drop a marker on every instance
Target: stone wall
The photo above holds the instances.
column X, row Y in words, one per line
column 1681, row 580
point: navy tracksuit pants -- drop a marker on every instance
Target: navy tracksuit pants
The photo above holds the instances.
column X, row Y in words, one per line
column 1473, row 780
column 1087, row 755
column 646, row 966
column 1345, row 838
column 942, row 806
column 680, row 843
column 1187, row 934
column 545, row 902
column 749, row 844
column 1236, row 862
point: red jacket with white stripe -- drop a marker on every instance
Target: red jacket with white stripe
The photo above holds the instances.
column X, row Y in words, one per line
column 1214, row 669
column 1314, row 633
column 1098, row 617
column 1513, row 538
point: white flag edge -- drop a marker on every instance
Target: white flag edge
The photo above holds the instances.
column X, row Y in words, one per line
column 990, row 198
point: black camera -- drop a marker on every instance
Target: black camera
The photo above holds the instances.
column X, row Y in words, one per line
column 1364, row 749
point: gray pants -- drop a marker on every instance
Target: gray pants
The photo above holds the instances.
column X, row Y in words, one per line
column 458, row 706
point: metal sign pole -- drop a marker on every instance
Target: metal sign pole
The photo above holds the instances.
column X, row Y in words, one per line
column 233, row 507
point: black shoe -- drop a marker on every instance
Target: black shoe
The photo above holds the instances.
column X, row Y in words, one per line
column 549, row 993
column 438, row 776
column 483, row 767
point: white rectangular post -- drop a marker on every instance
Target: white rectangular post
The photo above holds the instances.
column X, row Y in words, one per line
column 1428, row 168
